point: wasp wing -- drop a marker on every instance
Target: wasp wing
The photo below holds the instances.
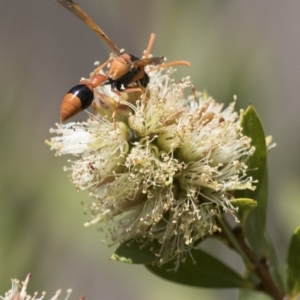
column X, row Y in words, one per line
column 82, row 15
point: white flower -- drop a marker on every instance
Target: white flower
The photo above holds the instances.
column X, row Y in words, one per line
column 18, row 291
column 170, row 166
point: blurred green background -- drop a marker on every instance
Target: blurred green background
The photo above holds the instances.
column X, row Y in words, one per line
column 247, row 48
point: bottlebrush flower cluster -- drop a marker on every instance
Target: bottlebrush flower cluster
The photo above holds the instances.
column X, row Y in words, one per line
column 163, row 168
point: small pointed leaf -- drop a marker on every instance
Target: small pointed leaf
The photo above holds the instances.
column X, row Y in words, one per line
column 244, row 205
column 207, row 272
column 293, row 264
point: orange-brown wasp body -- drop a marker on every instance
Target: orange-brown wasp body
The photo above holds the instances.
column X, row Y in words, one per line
column 124, row 71
column 79, row 97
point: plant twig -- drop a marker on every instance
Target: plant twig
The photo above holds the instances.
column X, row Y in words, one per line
column 261, row 269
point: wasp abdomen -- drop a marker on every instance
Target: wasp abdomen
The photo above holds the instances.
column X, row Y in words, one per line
column 84, row 94
column 77, row 99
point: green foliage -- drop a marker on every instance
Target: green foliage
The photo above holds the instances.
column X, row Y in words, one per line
column 134, row 254
column 293, row 264
column 274, row 267
column 244, row 205
column 255, row 223
column 207, row 272
column 256, row 219
column 252, row 127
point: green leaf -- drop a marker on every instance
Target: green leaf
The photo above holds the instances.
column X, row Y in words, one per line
column 252, row 128
column 207, row 272
column 293, row 264
column 133, row 253
column 244, row 205
column 258, row 237
column 255, row 223
column 274, row 266
column 256, row 219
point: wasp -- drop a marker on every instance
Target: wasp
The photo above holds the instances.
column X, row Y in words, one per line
column 126, row 71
